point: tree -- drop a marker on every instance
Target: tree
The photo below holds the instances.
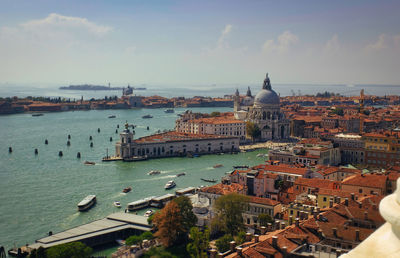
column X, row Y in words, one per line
column 133, row 240
column 69, row 250
column 223, row 243
column 229, row 209
column 252, row 130
column 188, row 218
column 240, row 238
column 264, row 219
column 200, row 243
column 169, row 224
column 147, row 235
column 338, row 111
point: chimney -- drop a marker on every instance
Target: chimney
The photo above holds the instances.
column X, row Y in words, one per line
column 256, row 238
column 290, row 220
column 352, row 196
column 283, row 225
column 297, row 222
column 330, row 202
column 365, row 215
column 276, row 224
column 334, row 232
column 338, row 252
column 248, row 237
column 239, row 251
column 232, row 245
column 346, row 201
column 213, row 253
column 284, row 251
column 269, row 227
column 339, row 199
column 360, row 205
column 274, row 241
column 263, row 230
column 357, row 235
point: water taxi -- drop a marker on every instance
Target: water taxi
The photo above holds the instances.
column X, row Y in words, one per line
column 149, row 213
column 154, row 172
column 87, row 203
column 112, row 116
column 169, row 110
column 127, row 189
column 181, row 174
column 218, row 166
column 37, row 114
column 117, row 204
column 147, row 116
column 169, row 185
column 89, row 163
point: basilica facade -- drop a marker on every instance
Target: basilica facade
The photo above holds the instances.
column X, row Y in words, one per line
column 264, row 111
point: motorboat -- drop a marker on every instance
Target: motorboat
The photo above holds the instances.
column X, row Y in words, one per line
column 89, row 163
column 154, row 172
column 236, row 167
column 117, row 204
column 112, row 116
column 169, row 110
column 87, row 203
column 218, row 166
column 37, row 114
column 181, row 174
column 169, row 185
column 209, row 180
column 127, row 189
column 147, row 116
column 260, row 155
column 148, row 213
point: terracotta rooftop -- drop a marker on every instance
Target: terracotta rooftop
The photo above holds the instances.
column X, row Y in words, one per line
column 367, row 180
column 222, row 189
column 174, row 136
column 282, row 168
column 265, row 201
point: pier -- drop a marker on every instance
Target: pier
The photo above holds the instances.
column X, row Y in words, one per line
column 99, row 232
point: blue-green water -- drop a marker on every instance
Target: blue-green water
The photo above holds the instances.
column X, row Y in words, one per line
column 39, row 193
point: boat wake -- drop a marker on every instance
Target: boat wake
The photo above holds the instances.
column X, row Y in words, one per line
column 155, row 178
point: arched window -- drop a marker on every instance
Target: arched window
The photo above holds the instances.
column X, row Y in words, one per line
column 264, row 115
column 269, row 115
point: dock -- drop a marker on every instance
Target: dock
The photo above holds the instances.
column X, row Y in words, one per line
column 99, row 232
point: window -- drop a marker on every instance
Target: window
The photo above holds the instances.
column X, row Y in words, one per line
column 360, row 190
column 324, row 199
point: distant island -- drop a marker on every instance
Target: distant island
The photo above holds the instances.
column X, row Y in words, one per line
column 95, row 87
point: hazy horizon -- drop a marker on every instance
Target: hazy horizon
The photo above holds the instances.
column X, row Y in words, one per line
column 199, row 43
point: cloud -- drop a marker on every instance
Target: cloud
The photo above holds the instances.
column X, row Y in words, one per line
column 56, row 21
column 378, row 45
column 333, row 44
column 224, row 34
column 282, row 44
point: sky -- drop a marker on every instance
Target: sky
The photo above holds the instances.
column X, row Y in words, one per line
column 199, row 42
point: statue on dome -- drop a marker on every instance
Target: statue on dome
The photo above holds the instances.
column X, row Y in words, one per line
column 267, row 83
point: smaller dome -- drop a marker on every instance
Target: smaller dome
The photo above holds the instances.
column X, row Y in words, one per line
column 265, row 97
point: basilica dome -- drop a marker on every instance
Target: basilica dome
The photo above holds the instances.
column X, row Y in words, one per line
column 266, row 95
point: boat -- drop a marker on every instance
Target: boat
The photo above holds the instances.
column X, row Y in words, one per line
column 260, row 155
column 38, row 114
column 117, row 204
column 112, row 116
column 236, row 167
column 135, row 158
column 127, row 189
column 87, row 203
column 147, row 116
column 181, row 174
column 89, row 163
column 218, row 166
column 154, row 172
column 209, row 180
column 169, row 110
column 169, row 185
column 140, row 204
column 148, row 213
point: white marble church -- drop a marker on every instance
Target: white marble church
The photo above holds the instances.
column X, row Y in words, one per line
column 263, row 110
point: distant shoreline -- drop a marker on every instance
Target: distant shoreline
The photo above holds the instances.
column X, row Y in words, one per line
column 95, row 87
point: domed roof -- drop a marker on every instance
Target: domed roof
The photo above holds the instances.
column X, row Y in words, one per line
column 266, row 95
